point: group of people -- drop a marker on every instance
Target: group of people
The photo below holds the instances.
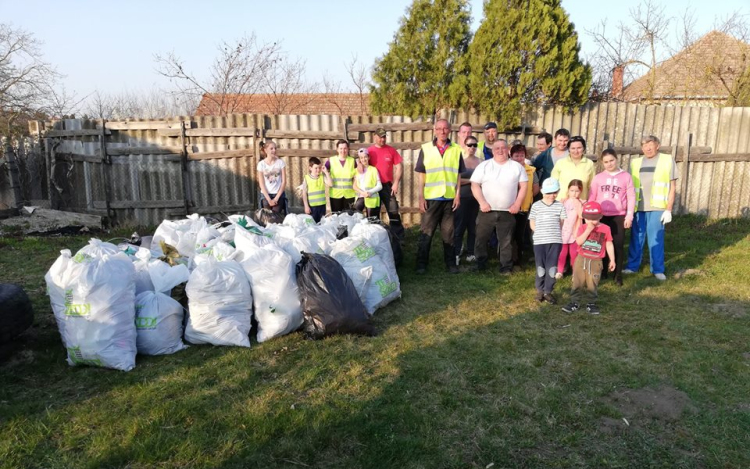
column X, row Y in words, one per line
column 554, row 204
column 362, row 184
column 555, row 200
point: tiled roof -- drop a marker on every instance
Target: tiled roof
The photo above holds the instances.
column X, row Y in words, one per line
column 312, row 104
column 705, row 70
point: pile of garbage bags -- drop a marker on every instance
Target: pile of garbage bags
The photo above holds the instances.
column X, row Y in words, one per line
column 248, row 273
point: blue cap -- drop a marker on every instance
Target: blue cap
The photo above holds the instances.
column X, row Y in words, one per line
column 550, row 185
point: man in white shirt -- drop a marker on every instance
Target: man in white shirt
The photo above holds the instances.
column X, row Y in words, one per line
column 499, row 185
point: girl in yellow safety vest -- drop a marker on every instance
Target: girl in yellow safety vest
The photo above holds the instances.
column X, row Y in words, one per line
column 367, row 185
column 343, row 169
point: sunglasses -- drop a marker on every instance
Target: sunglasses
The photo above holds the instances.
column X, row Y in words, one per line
column 472, row 145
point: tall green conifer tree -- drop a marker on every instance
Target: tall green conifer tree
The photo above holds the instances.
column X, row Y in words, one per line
column 414, row 77
column 524, row 53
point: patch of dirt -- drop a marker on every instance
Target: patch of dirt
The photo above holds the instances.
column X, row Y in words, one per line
column 733, row 310
column 663, row 403
column 609, row 425
column 687, row 272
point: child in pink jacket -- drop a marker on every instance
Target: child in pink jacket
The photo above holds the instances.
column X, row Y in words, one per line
column 573, row 206
column 613, row 189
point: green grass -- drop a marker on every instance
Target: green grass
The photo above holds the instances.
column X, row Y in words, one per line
column 467, row 371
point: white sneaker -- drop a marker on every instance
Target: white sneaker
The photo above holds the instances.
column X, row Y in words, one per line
column 661, row 277
column 471, row 258
column 628, row 271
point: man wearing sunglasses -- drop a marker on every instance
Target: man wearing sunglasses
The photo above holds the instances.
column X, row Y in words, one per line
column 387, row 161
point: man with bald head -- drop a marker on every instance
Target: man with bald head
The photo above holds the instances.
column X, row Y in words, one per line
column 499, row 185
column 438, row 166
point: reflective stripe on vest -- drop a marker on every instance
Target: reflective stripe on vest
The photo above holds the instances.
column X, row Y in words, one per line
column 342, row 178
column 371, row 180
column 526, row 205
column 316, row 191
column 441, row 172
column 660, row 184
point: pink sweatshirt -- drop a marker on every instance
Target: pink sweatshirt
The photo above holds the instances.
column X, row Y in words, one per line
column 614, row 192
column 570, row 225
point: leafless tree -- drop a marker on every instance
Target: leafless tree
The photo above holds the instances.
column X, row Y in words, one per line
column 359, row 84
column 242, row 67
column 285, row 84
column 642, row 42
column 27, row 81
column 152, row 104
column 638, row 46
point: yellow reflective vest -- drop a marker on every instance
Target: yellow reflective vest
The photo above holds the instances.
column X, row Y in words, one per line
column 660, row 184
column 441, row 172
column 316, row 190
column 526, row 205
column 342, row 176
column 371, row 180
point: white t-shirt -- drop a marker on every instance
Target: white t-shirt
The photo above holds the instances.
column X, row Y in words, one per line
column 272, row 174
column 499, row 182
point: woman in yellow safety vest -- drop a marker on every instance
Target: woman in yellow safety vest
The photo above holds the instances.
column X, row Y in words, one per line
column 367, row 185
column 343, row 170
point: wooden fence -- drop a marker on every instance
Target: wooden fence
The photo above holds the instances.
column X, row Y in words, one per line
column 143, row 171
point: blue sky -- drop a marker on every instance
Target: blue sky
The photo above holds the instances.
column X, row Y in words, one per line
column 110, row 46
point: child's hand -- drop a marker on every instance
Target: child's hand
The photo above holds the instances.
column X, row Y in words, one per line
column 612, row 266
column 307, row 210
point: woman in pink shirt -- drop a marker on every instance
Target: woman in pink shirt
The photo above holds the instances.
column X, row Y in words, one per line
column 613, row 189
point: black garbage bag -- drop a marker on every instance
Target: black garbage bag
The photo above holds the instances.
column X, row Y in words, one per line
column 264, row 217
column 330, row 303
column 398, row 252
column 342, row 232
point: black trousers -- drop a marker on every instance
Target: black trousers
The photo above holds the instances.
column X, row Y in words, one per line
column 520, row 245
column 502, row 223
column 465, row 220
column 616, row 224
column 391, row 206
column 339, row 205
column 439, row 213
column 359, row 205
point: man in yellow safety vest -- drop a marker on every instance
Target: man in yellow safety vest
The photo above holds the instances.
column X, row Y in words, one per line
column 437, row 168
column 654, row 177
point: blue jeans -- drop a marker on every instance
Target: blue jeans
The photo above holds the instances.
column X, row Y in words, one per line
column 647, row 224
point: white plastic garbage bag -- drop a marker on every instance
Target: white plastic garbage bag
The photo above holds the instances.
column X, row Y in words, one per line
column 343, row 219
column 299, row 221
column 142, row 278
column 93, row 299
column 275, row 296
column 374, row 283
column 219, row 304
column 158, row 317
column 247, row 240
column 215, row 248
column 180, row 234
column 378, row 238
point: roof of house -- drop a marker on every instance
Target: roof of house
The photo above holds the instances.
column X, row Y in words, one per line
column 308, row 103
column 707, row 69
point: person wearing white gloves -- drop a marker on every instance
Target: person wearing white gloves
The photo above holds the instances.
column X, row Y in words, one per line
column 654, row 177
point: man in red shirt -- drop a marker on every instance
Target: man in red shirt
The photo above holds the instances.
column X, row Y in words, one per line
column 388, row 163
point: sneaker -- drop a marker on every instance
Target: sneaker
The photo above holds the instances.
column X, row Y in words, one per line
column 591, row 308
column 661, row 277
column 539, row 296
column 479, row 267
column 558, row 275
column 618, row 281
column 505, row 272
column 570, row 307
column 550, row 299
column 452, row 269
column 421, row 270
column 627, row 271
column 471, row 258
